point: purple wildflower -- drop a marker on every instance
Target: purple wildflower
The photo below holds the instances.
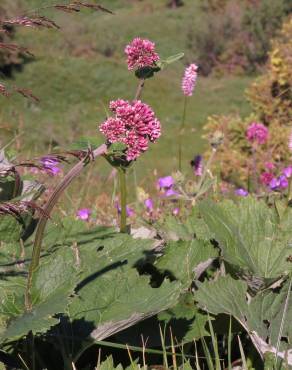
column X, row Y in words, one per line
column 189, row 79
column 170, row 192
column 84, row 214
column 129, row 211
column 50, row 165
column 257, row 132
column 279, row 183
column 175, row 211
column 287, row 172
column 165, row 182
column 149, row 204
column 241, row 192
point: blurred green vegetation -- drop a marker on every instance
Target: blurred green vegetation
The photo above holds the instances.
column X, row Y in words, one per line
column 79, row 69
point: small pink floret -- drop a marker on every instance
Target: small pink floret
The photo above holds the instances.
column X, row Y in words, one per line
column 257, row 132
column 141, row 53
column 134, row 124
column 189, row 79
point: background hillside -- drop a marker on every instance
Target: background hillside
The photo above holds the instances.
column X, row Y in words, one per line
column 77, row 70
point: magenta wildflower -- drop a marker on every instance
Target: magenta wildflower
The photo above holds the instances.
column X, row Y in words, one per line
column 266, row 178
column 189, row 79
column 241, row 192
column 287, row 172
column 165, row 182
column 84, row 214
column 197, row 164
column 134, row 125
column 149, row 204
column 141, row 53
column 257, row 132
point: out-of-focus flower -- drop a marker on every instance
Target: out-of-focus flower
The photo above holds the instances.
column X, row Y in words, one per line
column 170, row 192
column 266, row 178
column 241, row 192
column 290, row 142
column 189, row 79
column 257, row 132
column 134, row 125
column 165, row 182
column 287, row 172
column 84, row 214
column 50, row 165
column 175, row 211
column 141, row 53
column 197, row 164
column 129, row 211
column 269, row 165
column 149, row 204
column 279, row 183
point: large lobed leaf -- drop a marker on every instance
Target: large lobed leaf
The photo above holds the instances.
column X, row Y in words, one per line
column 251, row 235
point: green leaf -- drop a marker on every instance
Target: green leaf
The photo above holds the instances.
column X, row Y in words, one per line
column 251, row 236
column 172, row 59
column 86, row 142
column 224, row 295
column 53, row 283
column 10, row 229
column 190, row 255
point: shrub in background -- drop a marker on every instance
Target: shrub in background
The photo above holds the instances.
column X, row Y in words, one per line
column 235, row 35
column 271, row 98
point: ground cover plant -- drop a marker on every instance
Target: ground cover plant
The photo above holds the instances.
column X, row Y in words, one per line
column 197, row 277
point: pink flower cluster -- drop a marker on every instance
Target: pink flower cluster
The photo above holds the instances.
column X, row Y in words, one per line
column 189, row 79
column 134, row 124
column 257, row 132
column 141, row 53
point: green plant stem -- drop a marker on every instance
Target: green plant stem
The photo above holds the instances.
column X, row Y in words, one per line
column 180, row 135
column 45, row 215
column 139, row 89
column 123, row 191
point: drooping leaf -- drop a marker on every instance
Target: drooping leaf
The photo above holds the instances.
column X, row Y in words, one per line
column 172, row 59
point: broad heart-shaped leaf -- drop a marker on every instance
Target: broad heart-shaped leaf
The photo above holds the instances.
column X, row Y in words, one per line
column 261, row 315
column 182, row 258
column 252, row 237
column 10, row 229
column 53, row 283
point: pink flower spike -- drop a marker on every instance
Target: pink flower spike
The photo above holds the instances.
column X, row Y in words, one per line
column 141, row 53
column 189, row 79
column 257, row 132
column 84, row 214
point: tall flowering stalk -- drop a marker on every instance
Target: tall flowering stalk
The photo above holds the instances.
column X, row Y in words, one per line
column 128, row 134
column 188, row 85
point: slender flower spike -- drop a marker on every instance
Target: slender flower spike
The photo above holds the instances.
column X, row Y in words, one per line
column 83, row 214
column 257, row 132
column 189, row 79
column 134, row 125
column 141, row 53
column 241, row 192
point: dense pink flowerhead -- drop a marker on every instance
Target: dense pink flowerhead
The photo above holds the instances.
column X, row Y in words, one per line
column 134, row 124
column 141, row 53
column 189, row 79
column 257, row 132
